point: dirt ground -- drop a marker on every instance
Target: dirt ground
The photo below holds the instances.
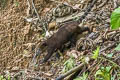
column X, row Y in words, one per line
column 18, row 38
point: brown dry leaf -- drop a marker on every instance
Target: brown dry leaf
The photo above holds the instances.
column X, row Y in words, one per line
column 26, row 29
column 28, row 11
column 29, row 45
column 48, row 74
column 52, row 25
column 15, row 68
column 74, row 53
column 76, row 6
column 46, row 10
column 26, row 52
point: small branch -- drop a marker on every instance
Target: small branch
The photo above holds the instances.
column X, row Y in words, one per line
column 28, row 3
column 109, row 46
column 115, row 3
column 16, row 75
column 70, row 72
column 37, row 14
column 115, row 64
column 59, row 2
column 79, row 66
column 102, row 4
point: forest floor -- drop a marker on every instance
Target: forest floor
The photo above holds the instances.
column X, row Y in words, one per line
column 20, row 33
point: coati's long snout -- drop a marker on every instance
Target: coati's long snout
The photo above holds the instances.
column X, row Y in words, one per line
column 40, row 48
column 65, row 33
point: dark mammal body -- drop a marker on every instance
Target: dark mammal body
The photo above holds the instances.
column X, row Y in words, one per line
column 61, row 37
column 65, row 32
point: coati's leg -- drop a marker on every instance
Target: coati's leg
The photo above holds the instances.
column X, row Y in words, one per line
column 58, row 52
column 73, row 40
column 70, row 44
column 50, row 51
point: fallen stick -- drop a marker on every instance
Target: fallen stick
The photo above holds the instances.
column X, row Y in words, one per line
column 37, row 14
column 77, row 67
column 70, row 72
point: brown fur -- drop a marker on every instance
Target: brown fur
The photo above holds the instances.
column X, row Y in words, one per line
column 65, row 32
column 61, row 37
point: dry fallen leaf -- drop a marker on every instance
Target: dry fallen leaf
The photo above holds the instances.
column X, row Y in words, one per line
column 52, row 25
column 26, row 29
column 48, row 74
column 46, row 10
column 15, row 68
column 74, row 53
column 26, row 52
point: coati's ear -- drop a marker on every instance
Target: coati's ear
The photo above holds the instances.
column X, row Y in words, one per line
column 86, row 29
column 83, row 29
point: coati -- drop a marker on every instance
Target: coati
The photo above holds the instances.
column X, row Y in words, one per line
column 64, row 33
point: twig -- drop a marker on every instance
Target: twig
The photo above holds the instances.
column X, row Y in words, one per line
column 70, row 72
column 109, row 46
column 110, row 61
column 16, row 75
column 115, row 3
column 28, row 3
column 94, row 66
column 79, row 66
column 59, row 2
column 102, row 4
column 37, row 15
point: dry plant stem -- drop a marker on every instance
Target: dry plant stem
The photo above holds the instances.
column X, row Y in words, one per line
column 68, row 78
column 28, row 3
column 78, row 67
column 116, row 74
column 102, row 4
column 110, row 61
column 110, row 46
column 35, row 78
column 70, row 72
column 16, row 75
column 37, row 14
column 117, row 57
column 94, row 67
column 59, row 2
column 115, row 3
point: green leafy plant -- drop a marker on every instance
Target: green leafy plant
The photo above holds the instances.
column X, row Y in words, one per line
column 3, row 3
column 83, row 77
column 110, row 55
column 69, row 64
column 103, row 73
column 113, row 78
column 118, row 47
column 96, row 53
column 16, row 3
column 3, row 78
column 115, row 19
column 118, row 76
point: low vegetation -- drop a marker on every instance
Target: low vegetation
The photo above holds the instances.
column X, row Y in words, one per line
column 21, row 31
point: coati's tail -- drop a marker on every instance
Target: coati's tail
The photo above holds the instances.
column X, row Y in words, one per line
column 88, row 9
